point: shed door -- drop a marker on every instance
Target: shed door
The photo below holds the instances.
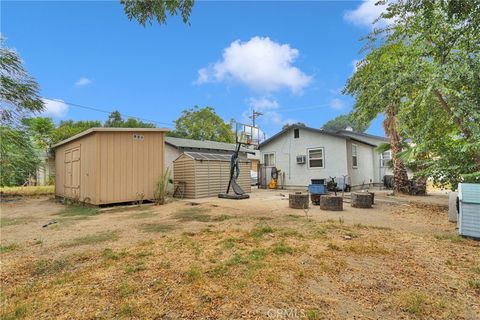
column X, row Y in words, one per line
column 72, row 172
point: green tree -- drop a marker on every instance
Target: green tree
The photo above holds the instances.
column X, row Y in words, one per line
column 147, row 11
column 344, row 121
column 69, row 128
column 378, row 89
column 18, row 90
column 202, row 124
column 427, row 63
column 18, row 156
column 41, row 129
column 115, row 120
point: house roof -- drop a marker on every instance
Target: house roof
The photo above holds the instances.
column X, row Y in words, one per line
column 211, row 156
column 320, row 131
column 203, row 144
column 361, row 134
column 92, row 130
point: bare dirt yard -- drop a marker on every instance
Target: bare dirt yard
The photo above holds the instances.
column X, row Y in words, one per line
column 227, row 259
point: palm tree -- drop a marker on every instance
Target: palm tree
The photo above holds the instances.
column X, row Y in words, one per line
column 390, row 126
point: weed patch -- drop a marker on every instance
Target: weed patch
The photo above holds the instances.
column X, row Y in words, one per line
column 194, row 274
column 137, row 267
column 260, row 230
column 257, row 254
column 92, row 239
column 412, row 301
column 46, row 267
column 474, row 284
column 281, row 248
column 236, row 259
column 109, row 254
column 193, row 214
column 455, row 238
column 5, row 222
column 18, row 313
column 8, row 248
column 155, row 227
column 78, row 211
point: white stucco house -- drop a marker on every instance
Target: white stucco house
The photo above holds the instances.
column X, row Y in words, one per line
column 304, row 153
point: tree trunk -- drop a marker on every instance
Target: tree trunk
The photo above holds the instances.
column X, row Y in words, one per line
column 400, row 176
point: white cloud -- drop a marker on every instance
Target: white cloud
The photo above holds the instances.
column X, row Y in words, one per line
column 263, row 103
column 83, row 82
column 336, row 104
column 55, row 108
column 366, row 14
column 260, row 63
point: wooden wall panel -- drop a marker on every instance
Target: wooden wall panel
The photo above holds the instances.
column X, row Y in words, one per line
column 129, row 167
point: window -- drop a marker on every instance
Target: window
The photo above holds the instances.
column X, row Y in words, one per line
column 296, row 133
column 269, row 159
column 315, row 158
column 354, row 156
column 385, row 158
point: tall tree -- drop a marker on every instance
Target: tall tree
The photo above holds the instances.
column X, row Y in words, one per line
column 69, row 128
column 18, row 90
column 115, row 120
column 147, row 11
column 378, row 86
column 41, row 129
column 344, row 121
column 436, row 47
column 18, row 156
column 202, row 124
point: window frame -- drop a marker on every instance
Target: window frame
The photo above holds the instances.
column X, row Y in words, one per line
column 382, row 159
column 323, row 157
column 296, row 133
column 355, row 165
column 269, row 154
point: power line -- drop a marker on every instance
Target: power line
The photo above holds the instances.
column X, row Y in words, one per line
column 108, row 112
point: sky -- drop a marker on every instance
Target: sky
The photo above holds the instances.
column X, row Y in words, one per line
column 288, row 60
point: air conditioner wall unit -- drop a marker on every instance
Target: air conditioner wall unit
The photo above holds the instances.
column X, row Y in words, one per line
column 301, row 159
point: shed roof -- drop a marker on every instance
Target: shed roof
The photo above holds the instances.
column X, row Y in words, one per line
column 203, row 144
column 92, row 130
column 211, row 156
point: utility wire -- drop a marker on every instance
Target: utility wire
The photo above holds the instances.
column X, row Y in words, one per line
column 108, row 112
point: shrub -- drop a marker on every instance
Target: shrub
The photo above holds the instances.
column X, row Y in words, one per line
column 161, row 187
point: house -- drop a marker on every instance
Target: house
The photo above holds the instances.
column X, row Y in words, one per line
column 175, row 147
column 303, row 154
column 110, row 165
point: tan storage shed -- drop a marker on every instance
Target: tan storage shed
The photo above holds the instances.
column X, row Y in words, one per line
column 110, row 165
column 207, row 174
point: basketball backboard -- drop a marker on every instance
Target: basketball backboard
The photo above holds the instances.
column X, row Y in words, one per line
column 247, row 134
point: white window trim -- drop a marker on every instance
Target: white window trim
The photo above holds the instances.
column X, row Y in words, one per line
column 382, row 160
column 274, row 158
column 323, row 158
column 356, row 155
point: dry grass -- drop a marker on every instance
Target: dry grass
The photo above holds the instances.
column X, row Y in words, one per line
column 27, row 191
column 92, row 239
column 228, row 267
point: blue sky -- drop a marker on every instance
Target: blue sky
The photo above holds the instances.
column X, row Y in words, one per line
column 289, row 60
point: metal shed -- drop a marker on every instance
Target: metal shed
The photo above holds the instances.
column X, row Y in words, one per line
column 469, row 209
column 207, row 174
column 110, row 165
